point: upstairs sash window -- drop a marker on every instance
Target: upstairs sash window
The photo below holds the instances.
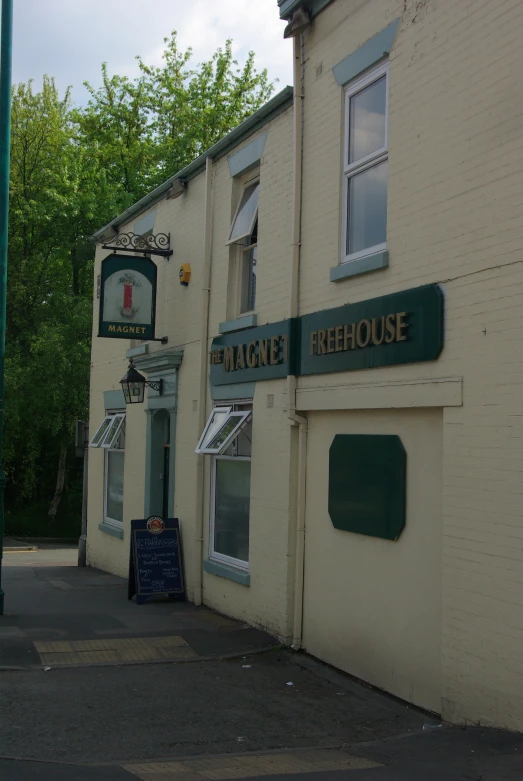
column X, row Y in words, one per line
column 365, row 168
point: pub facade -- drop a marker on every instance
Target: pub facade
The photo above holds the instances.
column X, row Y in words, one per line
column 333, row 341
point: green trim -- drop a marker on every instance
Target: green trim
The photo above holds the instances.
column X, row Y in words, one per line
column 141, row 349
column 248, row 321
column 374, row 50
column 360, row 266
column 248, row 157
column 160, row 361
column 368, row 484
column 225, row 571
column 114, row 399
column 241, row 390
column 266, row 113
column 113, row 531
column 154, row 460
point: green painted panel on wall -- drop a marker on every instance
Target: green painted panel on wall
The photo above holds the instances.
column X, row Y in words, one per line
column 403, row 327
column 262, row 353
column 367, row 484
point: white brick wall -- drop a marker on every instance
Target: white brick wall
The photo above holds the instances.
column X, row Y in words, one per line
column 454, row 216
column 179, row 311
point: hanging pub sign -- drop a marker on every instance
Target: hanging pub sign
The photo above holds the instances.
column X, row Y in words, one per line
column 127, row 298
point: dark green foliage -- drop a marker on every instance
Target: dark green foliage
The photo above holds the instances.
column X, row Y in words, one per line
column 72, row 171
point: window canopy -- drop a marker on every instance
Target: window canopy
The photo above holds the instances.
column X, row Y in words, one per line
column 108, row 432
column 246, row 213
column 221, row 428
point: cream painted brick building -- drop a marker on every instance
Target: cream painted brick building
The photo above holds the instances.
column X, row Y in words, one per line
column 434, row 614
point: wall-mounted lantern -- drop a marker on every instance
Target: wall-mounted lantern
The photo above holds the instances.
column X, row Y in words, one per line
column 133, row 385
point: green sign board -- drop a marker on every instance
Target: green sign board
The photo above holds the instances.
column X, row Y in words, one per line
column 127, row 298
column 368, row 484
column 262, row 353
column 404, row 327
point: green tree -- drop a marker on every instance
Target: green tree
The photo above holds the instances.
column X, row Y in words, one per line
column 72, row 170
column 146, row 129
column 49, row 286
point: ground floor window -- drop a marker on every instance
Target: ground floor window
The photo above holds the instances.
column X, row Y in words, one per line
column 114, row 458
column 231, row 494
column 114, row 464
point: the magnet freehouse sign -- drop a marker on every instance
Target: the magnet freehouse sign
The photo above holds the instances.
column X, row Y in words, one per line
column 404, row 327
column 127, row 297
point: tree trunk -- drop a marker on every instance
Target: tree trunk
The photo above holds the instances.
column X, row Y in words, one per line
column 60, row 478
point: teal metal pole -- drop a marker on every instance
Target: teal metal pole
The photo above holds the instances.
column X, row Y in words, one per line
column 6, row 46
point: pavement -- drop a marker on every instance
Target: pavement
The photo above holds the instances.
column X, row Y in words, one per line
column 58, row 614
column 93, row 686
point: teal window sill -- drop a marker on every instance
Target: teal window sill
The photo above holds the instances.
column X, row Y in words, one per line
column 225, row 571
column 113, row 531
column 360, row 266
column 238, row 323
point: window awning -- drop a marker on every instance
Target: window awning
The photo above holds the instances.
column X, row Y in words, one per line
column 246, row 214
column 221, row 428
column 108, row 432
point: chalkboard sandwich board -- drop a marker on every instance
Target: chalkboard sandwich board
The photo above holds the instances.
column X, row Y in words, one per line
column 155, row 560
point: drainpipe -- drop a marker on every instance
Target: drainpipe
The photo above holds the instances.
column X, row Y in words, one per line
column 294, row 418
column 202, row 395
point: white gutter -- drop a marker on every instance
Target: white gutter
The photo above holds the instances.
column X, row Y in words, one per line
column 202, row 395
column 294, row 418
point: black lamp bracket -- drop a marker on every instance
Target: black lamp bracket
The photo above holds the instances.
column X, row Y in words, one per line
column 156, row 385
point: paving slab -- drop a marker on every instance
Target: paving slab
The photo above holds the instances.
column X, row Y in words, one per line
column 49, row 599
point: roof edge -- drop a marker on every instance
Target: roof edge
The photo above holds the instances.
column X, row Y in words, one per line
column 264, row 114
column 288, row 7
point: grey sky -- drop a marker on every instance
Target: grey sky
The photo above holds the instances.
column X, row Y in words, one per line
column 69, row 39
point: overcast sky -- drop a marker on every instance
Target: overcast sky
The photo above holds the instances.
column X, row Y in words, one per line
column 69, row 39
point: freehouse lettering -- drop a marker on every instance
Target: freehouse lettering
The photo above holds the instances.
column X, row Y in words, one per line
column 400, row 328
column 340, row 338
column 363, row 333
column 258, row 352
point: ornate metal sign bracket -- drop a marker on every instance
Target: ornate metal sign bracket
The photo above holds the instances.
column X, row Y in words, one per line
column 151, row 244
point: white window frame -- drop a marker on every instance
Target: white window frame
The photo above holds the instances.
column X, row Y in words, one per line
column 363, row 164
column 242, row 251
column 111, row 435
column 93, row 442
column 204, row 448
column 250, row 183
column 221, row 410
column 107, row 519
column 215, row 555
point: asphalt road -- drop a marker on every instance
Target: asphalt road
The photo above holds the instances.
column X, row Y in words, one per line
column 278, row 712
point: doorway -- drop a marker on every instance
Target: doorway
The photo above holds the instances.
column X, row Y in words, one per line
column 159, row 482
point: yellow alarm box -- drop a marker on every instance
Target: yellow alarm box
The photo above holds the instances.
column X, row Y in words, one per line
column 185, row 274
